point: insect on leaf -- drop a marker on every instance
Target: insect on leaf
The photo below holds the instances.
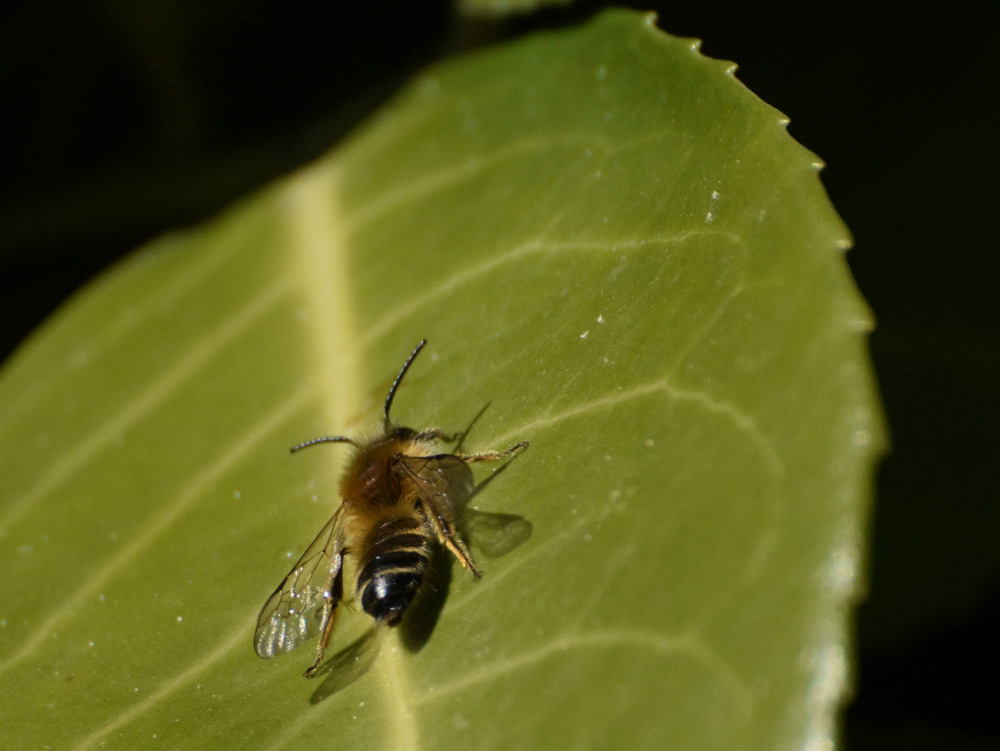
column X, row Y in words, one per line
column 617, row 252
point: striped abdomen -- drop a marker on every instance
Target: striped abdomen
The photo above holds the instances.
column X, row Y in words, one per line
column 392, row 568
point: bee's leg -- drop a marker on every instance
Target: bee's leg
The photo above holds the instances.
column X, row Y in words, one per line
column 441, row 520
column 336, row 590
column 492, row 456
column 436, row 434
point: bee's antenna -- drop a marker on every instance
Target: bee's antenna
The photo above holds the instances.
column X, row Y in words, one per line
column 324, row 439
column 395, row 384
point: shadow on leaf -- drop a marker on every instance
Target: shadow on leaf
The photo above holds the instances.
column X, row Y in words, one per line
column 422, row 615
column 345, row 667
column 495, row 535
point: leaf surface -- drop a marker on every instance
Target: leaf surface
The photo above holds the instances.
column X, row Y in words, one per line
column 616, row 252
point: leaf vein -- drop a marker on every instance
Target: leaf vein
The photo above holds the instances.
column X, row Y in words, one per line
column 157, row 525
column 666, row 647
column 232, row 640
column 464, row 276
column 104, row 338
column 734, row 414
column 76, row 458
column 426, row 186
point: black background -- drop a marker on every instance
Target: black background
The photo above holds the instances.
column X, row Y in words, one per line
column 120, row 120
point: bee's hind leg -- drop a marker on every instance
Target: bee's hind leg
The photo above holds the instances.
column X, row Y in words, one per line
column 493, row 456
column 329, row 618
column 436, row 434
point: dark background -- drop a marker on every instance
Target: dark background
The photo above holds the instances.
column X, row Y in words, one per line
column 119, row 120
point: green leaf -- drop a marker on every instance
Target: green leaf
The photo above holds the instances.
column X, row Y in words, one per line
column 617, row 253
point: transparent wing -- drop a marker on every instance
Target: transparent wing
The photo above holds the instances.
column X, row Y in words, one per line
column 443, row 484
column 444, row 481
column 494, row 535
column 295, row 612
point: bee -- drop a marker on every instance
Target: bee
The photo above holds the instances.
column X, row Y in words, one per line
column 398, row 497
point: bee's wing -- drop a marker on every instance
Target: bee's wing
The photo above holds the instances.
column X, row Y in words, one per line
column 442, row 480
column 446, row 480
column 295, row 613
column 494, row 535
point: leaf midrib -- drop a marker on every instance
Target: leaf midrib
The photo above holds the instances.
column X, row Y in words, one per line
column 320, row 259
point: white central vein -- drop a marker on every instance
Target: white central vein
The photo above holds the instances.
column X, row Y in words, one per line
column 321, row 255
column 320, row 262
column 399, row 713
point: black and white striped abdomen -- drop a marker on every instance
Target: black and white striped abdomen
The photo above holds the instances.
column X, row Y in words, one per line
column 392, row 568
